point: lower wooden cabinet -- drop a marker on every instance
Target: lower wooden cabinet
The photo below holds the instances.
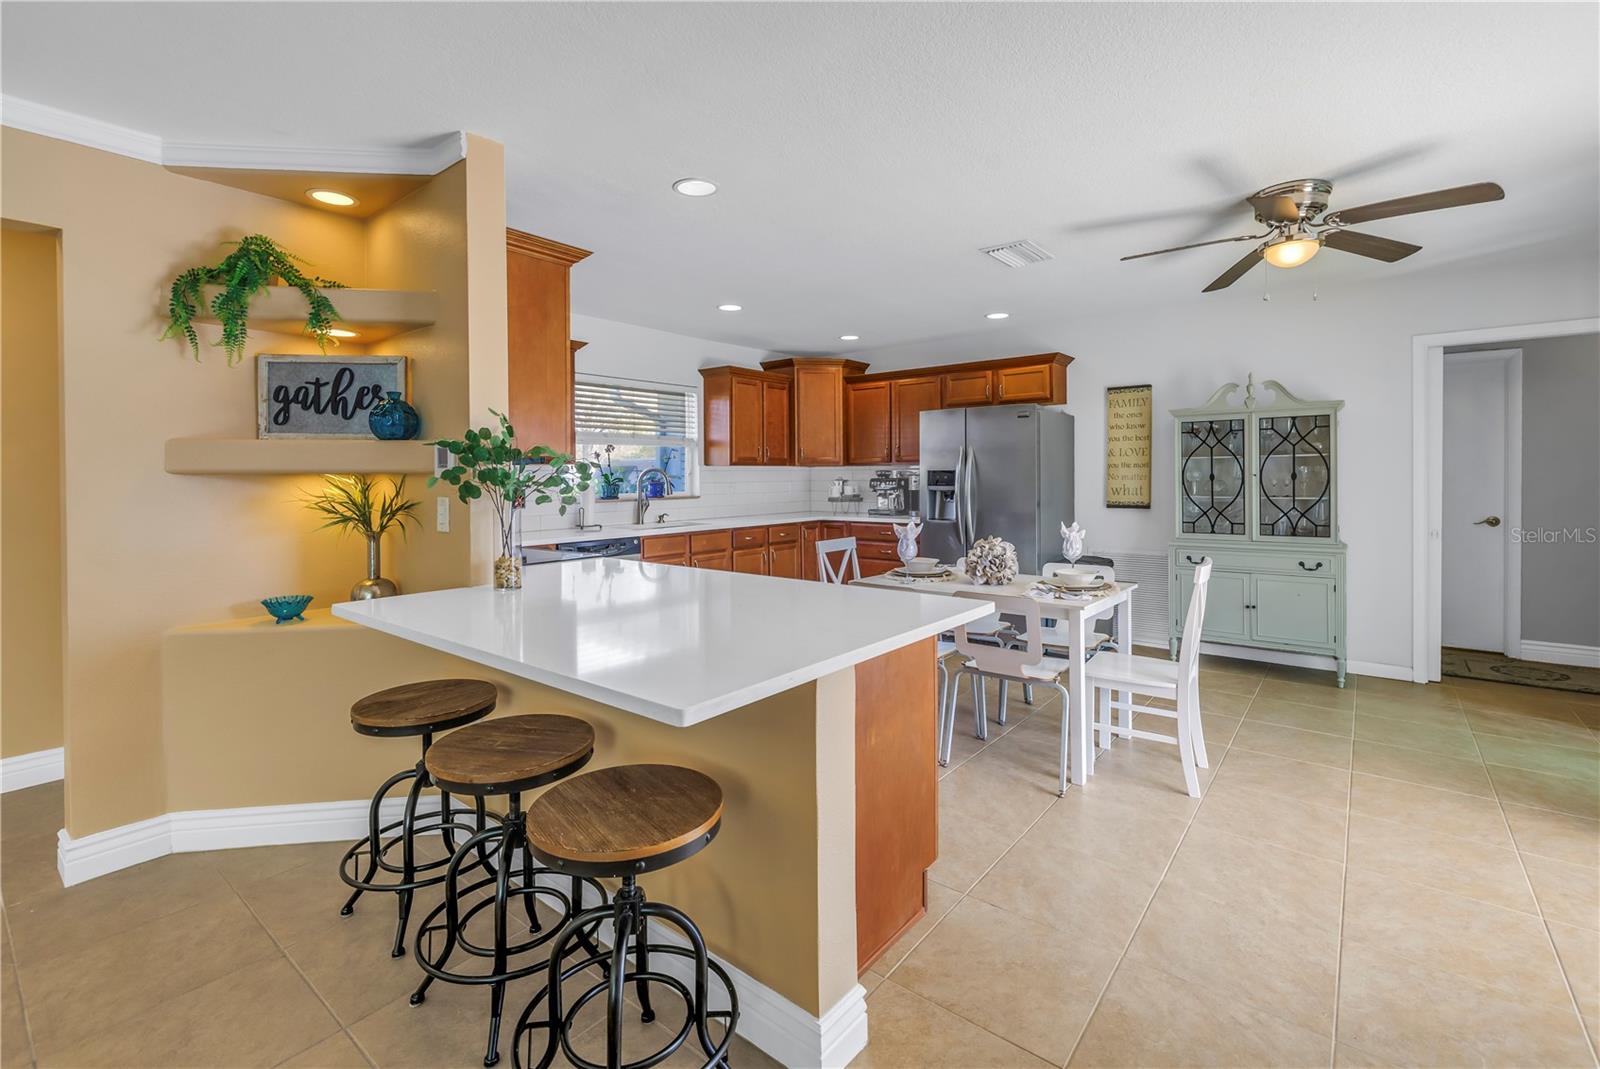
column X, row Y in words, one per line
column 810, row 535
column 783, row 560
column 665, row 549
column 751, row 560
column 711, row 549
column 720, row 560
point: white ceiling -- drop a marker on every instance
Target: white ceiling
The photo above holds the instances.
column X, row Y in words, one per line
column 865, row 151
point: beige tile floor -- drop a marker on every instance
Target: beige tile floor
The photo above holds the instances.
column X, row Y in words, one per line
column 1383, row 875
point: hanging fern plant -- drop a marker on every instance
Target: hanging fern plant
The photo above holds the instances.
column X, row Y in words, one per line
column 255, row 263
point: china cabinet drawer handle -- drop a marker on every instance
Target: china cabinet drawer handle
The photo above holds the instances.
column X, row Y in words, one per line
column 1190, row 559
column 1317, row 568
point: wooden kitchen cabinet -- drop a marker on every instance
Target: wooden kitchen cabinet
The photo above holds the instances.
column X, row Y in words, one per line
column 817, row 405
column 539, row 351
column 908, row 400
column 974, row 386
column 717, row 560
column 750, row 561
column 1033, row 382
column 665, row 549
column 866, row 409
column 783, row 551
column 747, row 417
column 810, row 535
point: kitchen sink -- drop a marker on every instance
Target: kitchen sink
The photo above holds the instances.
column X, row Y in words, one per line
column 672, row 526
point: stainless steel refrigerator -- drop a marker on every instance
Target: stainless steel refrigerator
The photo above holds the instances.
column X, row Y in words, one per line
column 996, row 470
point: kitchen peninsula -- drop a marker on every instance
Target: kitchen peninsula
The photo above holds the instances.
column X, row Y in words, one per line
column 811, row 704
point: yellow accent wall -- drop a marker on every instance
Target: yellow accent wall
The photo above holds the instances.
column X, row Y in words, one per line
column 30, row 492
column 144, row 550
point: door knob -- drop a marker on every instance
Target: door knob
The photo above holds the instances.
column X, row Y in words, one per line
column 1487, row 521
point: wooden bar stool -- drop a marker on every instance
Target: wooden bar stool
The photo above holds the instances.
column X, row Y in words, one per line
column 410, row 710
column 505, row 756
column 617, row 823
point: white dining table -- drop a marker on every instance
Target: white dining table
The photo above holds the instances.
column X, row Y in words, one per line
column 1078, row 616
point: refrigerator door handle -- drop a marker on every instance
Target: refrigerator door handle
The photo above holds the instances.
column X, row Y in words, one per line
column 959, row 495
column 968, row 494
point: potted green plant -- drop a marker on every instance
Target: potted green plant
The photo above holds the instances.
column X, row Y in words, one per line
column 611, row 480
column 488, row 464
column 352, row 503
column 255, row 263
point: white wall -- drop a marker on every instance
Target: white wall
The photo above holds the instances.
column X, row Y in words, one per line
column 1351, row 343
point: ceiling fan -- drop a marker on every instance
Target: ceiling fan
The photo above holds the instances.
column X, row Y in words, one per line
column 1290, row 211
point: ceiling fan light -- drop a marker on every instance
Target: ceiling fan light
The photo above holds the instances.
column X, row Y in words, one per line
column 1292, row 252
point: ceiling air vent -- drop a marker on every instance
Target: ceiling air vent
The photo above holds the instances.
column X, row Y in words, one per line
column 1017, row 253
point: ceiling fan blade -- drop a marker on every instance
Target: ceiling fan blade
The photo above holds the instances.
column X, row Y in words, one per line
column 1478, row 193
column 1196, row 245
column 1236, row 272
column 1386, row 249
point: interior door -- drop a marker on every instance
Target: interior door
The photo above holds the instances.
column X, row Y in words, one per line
column 1473, row 549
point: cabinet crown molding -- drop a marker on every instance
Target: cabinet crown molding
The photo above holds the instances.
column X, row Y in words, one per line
column 520, row 241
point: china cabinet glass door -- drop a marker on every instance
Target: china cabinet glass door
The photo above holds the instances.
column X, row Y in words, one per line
column 1211, row 481
column 1294, row 488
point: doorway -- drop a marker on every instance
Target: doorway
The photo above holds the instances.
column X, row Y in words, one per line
column 1481, row 566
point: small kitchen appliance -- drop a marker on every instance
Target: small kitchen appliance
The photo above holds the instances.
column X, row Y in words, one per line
column 894, row 491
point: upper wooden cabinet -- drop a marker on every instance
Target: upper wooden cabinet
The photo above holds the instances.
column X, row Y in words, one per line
column 908, row 400
column 747, row 416
column 826, row 411
column 539, row 349
column 817, row 406
column 866, row 408
column 974, row 386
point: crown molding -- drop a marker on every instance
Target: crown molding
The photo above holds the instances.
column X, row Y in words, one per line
column 427, row 158
column 79, row 129
column 543, row 248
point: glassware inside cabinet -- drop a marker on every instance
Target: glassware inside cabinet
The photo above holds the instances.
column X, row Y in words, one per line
column 1211, row 476
column 1294, row 491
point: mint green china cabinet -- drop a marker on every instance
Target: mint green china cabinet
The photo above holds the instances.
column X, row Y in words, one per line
column 1256, row 491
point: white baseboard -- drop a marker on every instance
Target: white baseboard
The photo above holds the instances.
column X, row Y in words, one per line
column 31, row 769
column 1306, row 660
column 107, row 851
column 1561, row 653
column 1401, row 672
column 782, row 1029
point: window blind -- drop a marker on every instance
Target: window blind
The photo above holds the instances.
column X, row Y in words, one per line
column 604, row 411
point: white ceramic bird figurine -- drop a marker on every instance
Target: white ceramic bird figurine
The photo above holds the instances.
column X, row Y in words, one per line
column 1072, row 542
column 906, row 535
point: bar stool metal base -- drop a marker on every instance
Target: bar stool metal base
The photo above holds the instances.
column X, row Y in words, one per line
column 405, row 878
column 630, row 915
column 451, row 917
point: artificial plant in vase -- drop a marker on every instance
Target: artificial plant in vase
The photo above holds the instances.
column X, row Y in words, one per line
column 488, row 464
column 255, row 263
column 611, row 479
column 352, row 503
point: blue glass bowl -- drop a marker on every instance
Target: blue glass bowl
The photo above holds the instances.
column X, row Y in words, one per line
column 287, row 607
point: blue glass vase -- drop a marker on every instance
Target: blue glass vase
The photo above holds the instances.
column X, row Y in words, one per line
column 393, row 420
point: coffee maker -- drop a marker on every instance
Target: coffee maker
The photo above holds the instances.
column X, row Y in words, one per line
column 895, row 492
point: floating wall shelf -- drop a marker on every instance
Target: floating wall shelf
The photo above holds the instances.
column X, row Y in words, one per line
column 373, row 314
column 297, row 456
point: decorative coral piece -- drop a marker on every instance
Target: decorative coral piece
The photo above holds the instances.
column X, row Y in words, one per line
column 991, row 561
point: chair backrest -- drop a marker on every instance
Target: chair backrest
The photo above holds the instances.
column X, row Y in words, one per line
column 1108, row 574
column 846, row 548
column 1189, row 653
column 1003, row 660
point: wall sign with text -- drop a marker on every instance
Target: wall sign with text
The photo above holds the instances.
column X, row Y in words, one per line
column 323, row 396
column 1128, row 419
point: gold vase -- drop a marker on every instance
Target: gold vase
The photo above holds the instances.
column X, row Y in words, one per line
column 508, row 573
column 374, row 585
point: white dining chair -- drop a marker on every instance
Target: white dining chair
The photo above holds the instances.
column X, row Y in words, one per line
column 1055, row 636
column 1023, row 661
column 849, row 562
column 1115, row 677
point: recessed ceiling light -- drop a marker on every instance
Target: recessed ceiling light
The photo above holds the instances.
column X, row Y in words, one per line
column 849, row 337
column 730, row 307
column 338, row 332
column 332, row 196
column 694, row 187
column 998, row 315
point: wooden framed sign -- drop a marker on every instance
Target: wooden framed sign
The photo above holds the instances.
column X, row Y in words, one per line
column 1128, row 416
column 324, row 396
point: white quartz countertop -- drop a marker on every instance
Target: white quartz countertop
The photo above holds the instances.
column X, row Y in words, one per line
column 720, row 523
column 678, row 645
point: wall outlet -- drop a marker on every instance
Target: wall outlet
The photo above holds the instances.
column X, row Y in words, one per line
column 441, row 515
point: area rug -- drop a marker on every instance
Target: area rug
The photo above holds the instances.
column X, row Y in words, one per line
column 1498, row 668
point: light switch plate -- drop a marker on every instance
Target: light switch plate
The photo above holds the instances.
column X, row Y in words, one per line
column 441, row 515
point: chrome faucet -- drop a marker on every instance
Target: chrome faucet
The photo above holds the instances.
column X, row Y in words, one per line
column 641, row 504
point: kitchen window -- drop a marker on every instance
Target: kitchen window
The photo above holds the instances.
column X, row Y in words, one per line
column 649, row 424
